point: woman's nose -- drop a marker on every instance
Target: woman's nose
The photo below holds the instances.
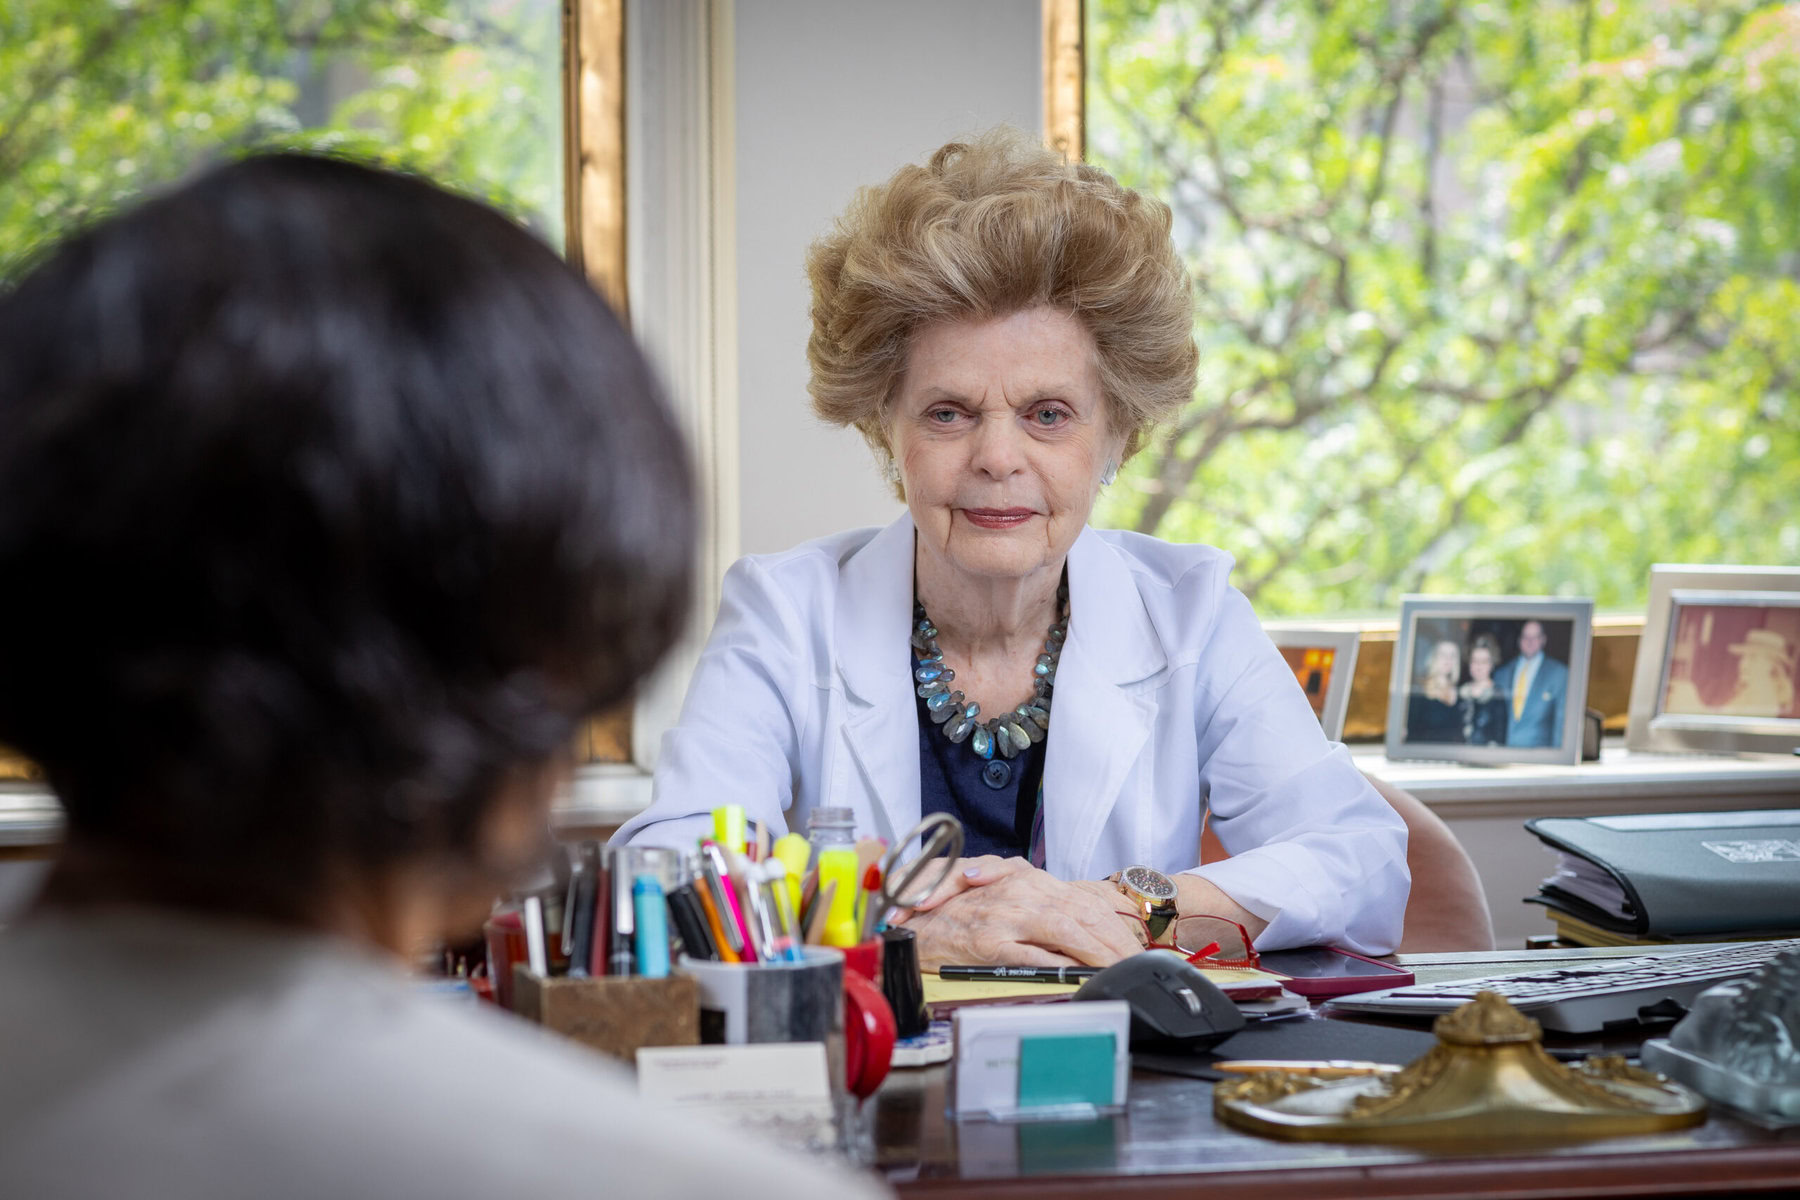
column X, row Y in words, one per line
column 999, row 450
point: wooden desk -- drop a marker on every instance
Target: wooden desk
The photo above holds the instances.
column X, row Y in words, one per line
column 1167, row 1144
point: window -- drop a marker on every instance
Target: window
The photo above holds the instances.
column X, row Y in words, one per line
column 109, row 100
column 1495, row 298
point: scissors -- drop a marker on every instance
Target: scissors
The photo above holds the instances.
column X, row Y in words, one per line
column 940, row 838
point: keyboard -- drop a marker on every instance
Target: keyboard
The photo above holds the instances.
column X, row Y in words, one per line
column 1588, row 998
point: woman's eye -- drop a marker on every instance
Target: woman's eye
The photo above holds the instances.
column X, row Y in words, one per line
column 1049, row 417
column 942, row 416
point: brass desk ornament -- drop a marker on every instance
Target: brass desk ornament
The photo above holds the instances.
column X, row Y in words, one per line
column 1487, row 1078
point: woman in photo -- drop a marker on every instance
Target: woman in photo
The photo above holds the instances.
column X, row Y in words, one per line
column 1006, row 328
column 1483, row 707
column 1434, row 710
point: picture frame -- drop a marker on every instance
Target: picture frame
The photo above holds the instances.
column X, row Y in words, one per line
column 1520, row 694
column 1718, row 664
column 1324, row 663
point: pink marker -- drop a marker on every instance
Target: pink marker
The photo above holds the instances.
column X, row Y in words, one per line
column 715, row 856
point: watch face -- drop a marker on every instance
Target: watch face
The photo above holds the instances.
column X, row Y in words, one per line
column 1149, row 883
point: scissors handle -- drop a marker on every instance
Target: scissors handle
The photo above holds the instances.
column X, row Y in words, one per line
column 940, row 837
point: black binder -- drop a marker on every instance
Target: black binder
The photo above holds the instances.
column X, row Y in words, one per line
column 1677, row 875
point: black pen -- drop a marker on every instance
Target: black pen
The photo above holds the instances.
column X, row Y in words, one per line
column 1021, row 974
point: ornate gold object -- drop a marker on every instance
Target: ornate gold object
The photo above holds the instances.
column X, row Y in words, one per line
column 1487, row 1078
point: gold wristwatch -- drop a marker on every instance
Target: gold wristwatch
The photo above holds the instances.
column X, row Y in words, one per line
column 1152, row 895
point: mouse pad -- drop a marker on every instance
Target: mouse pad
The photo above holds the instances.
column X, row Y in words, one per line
column 1296, row 1040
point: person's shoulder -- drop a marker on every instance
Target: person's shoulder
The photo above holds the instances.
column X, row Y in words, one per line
column 1185, row 589
column 1156, row 564
column 809, row 567
column 500, row 1105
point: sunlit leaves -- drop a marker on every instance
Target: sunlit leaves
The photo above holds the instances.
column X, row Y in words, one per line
column 102, row 99
column 1496, row 297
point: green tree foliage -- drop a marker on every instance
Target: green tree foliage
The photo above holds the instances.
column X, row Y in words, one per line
column 102, row 99
column 1495, row 297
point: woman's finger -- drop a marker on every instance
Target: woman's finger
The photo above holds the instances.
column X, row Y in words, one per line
column 1067, row 933
column 972, row 873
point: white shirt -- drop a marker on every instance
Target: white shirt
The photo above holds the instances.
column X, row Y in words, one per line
column 1168, row 696
column 159, row 1055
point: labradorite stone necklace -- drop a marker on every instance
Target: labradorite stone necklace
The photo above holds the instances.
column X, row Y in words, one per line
column 1010, row 733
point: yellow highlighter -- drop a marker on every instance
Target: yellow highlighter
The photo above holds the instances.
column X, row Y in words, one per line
column 795, row 852
column 728, row 827
column 838, row 867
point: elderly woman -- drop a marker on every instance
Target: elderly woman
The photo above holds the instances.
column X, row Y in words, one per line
column 331, row 504
column 1484, row 709
column 1006, row 328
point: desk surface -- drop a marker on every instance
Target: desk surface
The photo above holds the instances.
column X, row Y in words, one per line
column 1167, row 1144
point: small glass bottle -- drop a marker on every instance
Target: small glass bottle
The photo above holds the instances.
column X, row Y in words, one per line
column 827, row 828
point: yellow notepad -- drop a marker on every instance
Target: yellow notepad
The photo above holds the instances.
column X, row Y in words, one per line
column 967, row 991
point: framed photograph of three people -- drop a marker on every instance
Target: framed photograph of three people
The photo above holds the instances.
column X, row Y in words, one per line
column 1490, row 679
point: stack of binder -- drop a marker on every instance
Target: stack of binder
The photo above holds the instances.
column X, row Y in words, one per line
column 1657, row 878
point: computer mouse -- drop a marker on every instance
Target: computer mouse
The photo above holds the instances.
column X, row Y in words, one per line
column 1173, row 1005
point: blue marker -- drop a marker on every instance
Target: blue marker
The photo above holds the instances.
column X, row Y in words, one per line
column 652, row 927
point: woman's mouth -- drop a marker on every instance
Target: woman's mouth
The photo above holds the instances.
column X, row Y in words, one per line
column 998, row 518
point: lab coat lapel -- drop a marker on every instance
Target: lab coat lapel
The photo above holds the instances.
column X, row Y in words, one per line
column 1098, row 720
column 880, row 734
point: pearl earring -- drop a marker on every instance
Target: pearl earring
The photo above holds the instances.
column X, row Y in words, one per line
column 890, row 470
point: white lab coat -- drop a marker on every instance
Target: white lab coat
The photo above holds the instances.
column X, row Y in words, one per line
column 1168, row 696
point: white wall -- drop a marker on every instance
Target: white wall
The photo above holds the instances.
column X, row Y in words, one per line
column 832, row 95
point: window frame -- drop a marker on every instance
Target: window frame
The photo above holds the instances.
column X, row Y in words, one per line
column 669, row 263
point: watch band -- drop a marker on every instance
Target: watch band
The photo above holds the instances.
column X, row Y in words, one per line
column 1159, row 919
column 1153, row 896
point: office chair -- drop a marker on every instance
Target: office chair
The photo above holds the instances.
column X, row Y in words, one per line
column 1447, row 909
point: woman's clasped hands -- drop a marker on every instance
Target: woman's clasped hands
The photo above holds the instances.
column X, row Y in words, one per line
column 1004, row 911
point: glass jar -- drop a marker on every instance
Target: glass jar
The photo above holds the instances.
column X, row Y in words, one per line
column 827, row 828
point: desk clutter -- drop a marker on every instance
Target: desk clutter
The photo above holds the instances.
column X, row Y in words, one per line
column 781, row 947
column 745, row 940
column 1652, row 878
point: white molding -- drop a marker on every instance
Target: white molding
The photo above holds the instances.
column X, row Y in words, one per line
column 680, row 270
column 1622, row 781
column 603, row 794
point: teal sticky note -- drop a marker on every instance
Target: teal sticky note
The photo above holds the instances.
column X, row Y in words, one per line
column 1074, row 1068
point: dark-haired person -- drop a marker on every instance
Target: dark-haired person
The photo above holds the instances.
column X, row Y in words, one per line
column 331, row 504
column 1006, row 328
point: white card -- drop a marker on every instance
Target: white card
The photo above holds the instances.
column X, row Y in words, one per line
column 777, row 1090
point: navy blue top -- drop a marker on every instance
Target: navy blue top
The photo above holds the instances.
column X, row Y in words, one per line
column 996, row 820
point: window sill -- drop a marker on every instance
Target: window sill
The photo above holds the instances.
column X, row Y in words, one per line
column 1621, row 781
column 601, row 797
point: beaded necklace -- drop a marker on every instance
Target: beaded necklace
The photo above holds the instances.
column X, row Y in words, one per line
column 1010, row 733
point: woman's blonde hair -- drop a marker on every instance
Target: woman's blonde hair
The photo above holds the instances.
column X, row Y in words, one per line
column 986, row 229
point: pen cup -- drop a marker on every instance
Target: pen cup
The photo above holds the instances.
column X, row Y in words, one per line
column 772, row 1001
column 807, row 1001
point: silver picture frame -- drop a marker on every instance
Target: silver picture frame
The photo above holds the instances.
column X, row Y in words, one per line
column 1554, row 709
column 1652, row 726
column 1341, row 644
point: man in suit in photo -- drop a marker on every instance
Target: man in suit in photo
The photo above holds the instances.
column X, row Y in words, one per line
column 1536, row 686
